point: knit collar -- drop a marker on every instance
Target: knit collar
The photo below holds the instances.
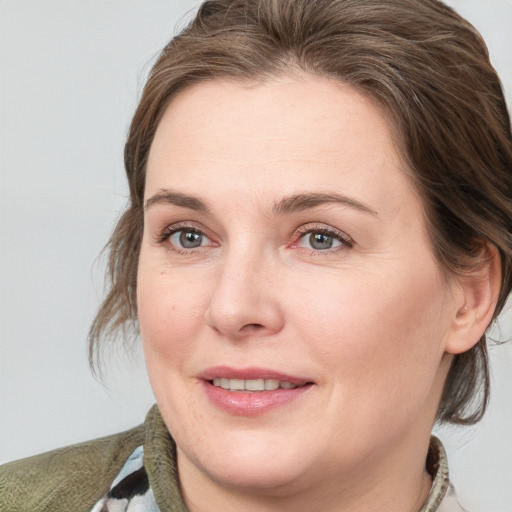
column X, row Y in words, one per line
column 160, row 462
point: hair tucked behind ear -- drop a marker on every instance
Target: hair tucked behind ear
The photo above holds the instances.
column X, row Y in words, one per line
column 430, row 71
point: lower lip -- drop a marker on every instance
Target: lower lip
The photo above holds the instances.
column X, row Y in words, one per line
column 251, row 403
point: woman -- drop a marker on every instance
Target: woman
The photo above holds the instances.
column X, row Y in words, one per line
column 317, row 240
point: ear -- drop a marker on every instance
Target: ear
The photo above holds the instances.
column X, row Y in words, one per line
column 476, row 299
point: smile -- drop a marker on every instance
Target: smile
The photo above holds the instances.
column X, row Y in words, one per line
column 252, row 391
column 252, row 384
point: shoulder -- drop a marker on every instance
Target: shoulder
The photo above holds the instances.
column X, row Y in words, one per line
column 70, row 478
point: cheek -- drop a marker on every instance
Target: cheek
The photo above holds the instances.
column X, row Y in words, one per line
column 375, row 332
column 381, row 347
column 170, row 313
column 169, row 320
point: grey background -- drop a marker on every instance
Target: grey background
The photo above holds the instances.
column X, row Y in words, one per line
column 70, row 75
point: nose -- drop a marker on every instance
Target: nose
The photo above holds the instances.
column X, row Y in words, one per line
column 245, row 302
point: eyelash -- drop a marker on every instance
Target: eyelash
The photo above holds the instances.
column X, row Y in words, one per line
column 345, row 241
column 165, row 235
column 303, row 231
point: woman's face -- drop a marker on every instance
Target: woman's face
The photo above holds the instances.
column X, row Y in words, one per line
column 284, row 247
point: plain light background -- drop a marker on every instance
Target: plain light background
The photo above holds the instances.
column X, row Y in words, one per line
column 70, row 76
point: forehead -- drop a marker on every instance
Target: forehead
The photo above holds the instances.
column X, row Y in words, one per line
column 247, row 114
column 281, row 137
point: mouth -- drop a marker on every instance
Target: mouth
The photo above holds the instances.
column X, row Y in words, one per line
column 252, row 385
column 252, row 391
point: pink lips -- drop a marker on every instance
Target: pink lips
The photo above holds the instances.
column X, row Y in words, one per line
column 251, row 403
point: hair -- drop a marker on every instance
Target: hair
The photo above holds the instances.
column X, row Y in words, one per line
column 428, row 69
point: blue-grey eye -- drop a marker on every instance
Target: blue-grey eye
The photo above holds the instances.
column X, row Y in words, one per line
column 320, row 241
column 188, row 239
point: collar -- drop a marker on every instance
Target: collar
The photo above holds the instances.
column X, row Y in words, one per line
column 437, row 467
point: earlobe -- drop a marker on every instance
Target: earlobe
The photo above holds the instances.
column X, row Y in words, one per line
column 479, row 294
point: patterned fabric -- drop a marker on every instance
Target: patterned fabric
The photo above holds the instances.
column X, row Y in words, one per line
column 131, row 490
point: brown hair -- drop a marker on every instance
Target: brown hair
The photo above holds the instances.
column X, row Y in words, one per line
column 430, row 71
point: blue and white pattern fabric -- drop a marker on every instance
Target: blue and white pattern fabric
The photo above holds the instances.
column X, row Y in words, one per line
column 130, row 491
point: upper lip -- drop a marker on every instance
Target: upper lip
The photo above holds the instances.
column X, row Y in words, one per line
column 251, row 373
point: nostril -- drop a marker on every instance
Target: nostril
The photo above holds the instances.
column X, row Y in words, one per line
column 252, row 327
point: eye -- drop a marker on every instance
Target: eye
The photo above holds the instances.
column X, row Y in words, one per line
column 323, row 240
column 319, row 241
column 188, row 239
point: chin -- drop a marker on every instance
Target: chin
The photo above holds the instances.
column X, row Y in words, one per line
column 271, row 479
column 250, row 461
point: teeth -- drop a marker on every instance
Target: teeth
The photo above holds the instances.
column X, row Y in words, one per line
column 255, row 385
column 236, row 384
column 271, row 384
column 252, row 384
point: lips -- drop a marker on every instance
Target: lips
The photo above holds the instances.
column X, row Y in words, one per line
column 251, row 391
column 251, row 374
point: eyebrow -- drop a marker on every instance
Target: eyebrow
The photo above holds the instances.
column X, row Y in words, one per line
column 176, row 198
column 295, row 203
column 301, row 202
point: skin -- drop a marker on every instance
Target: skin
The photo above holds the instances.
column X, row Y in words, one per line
column 371, row 321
